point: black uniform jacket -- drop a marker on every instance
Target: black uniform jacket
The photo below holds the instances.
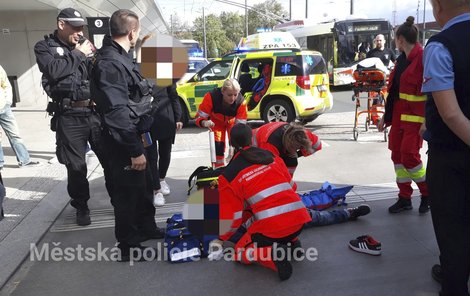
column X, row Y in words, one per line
column 111, row 84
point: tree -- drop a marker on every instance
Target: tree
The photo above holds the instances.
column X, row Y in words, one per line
column 216, row 39
column 270, row 7
column 234, row 26
column 179, row 29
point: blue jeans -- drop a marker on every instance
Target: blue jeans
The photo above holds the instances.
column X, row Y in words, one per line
column 8, row 123
column 322, row 218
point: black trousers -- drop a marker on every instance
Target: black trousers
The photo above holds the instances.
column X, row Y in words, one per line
column 73, row 133
column 131, row 197
column 159, row 157
column 448, row 178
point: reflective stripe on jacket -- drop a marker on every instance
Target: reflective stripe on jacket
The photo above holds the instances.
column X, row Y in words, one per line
column 410, row 106
column 260, row 197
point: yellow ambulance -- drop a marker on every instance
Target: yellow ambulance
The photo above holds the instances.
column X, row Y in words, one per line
column 279, row 81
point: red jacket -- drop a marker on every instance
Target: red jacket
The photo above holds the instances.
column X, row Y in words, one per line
column 261, row 197
column 409, row 109
column 269, row 137
column 224, row 118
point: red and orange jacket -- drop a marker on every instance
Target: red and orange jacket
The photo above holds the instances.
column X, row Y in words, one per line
column 269, row 137
column 409, row 108
column 224, row 118
column 261, row 198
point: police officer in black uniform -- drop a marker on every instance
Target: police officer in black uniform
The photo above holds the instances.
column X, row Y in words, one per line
column 123, row 99
column 63, row 58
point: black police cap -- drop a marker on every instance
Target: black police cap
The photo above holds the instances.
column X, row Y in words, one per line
column 71, row 16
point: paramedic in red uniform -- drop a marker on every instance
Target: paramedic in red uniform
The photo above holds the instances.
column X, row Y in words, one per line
column 286, row 140
column 259, row 196
column 220, row 110
column 404, row 111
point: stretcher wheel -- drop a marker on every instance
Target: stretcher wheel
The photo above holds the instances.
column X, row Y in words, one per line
column 355, row 134
column 385, row 135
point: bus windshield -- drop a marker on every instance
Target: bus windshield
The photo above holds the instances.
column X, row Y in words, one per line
column 355, row 38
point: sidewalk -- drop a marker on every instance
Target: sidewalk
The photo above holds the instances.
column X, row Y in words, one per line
column 37, row 213
column 35, row 195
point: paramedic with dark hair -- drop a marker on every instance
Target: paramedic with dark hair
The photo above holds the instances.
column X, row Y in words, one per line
column 220, row 110
column 404, row 111
column 259, row 193
column 286, row 140
column 447, row 72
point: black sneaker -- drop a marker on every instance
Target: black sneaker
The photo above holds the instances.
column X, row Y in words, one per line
column 424, row 205
column 359, row 211
column 402, row 204
column 83, row 217
column 366, row 244
column 284, row 267
column 436, row 273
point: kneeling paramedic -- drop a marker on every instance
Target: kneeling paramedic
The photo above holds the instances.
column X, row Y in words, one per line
column 259, row 196
column 286, row 140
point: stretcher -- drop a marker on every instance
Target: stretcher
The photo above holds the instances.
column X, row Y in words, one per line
column 370, row 86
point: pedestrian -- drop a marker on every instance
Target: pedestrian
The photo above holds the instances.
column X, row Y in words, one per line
column 446, row 72
column 379, row 51
column 220, row 110
column 259, row 195
column 404, row 111
column 64, row 59
column 9, row 125
column 167, row 121
column 123, row 97
column 287, row 140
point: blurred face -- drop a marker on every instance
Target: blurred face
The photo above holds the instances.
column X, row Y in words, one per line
column 229, row 95
column 68, row 33
column 380, row 42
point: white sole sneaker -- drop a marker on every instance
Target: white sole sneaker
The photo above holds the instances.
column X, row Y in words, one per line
column 164, row 188
column 158, row 200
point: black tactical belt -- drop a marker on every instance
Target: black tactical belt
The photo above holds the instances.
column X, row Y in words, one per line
column 76, row 104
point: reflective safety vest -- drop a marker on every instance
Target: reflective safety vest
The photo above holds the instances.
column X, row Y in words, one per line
column 224, row 118
column 410, row 106
column 260, row 197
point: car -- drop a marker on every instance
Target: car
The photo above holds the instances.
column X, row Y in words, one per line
column 278, row 84
column 194, row 65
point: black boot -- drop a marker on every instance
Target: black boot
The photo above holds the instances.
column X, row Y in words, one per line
column 436, row 273
column 280, row 259
column 424, row 205
column 83, row 217
column 401, row 205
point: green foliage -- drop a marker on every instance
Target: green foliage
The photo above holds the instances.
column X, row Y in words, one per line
column 223, row 32
column 256, row 20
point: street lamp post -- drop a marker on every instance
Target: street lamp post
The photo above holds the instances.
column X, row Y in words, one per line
column 204, row 32
column 352, row 7
column 246, row 18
